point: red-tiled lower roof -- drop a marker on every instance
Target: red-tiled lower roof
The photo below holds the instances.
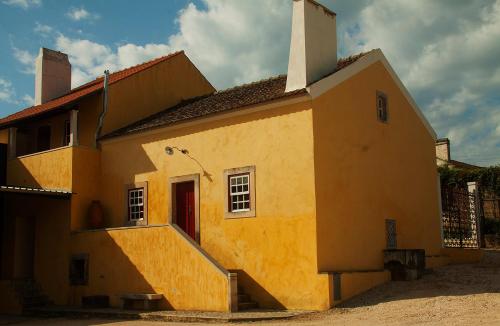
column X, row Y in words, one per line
column 237, row 97
column 80, row 92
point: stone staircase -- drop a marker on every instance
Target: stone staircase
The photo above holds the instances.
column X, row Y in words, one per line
column 30, row 294
column 245, row 302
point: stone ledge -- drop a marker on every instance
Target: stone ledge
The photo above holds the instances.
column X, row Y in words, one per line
column 166, row 316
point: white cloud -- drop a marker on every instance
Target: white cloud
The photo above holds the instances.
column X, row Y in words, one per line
column 7, row 92
column 81, row 13
column 43, row 30
column 28, row 100
column 236, row 41
column 446, row 53
column 24, row 4
column 232, row 42
column 25, row 58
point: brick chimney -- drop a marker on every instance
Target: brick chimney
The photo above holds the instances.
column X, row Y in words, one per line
column 442, row 151
column 52, row 75
column 313, row 45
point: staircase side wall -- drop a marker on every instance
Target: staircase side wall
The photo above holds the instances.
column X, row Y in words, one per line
column 156, row 259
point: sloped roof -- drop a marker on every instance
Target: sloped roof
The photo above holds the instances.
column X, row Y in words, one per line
column 81, row 91
column 233, row 98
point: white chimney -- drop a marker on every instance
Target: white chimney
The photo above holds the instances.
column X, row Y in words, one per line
column 52, row 76
column 443, row 151
column 313, row 46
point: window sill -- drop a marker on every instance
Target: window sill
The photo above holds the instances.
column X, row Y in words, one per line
column 245, row 214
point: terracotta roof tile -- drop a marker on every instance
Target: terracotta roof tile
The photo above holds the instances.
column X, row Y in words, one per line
column 81, row 91
column 237, row 97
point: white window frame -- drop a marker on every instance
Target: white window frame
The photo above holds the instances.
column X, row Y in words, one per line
column 139, row 186
column 235, row 173
column 135, row 199
column 237, row 178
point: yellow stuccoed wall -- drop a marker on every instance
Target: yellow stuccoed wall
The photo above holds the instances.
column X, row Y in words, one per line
column 276, row 250
column 327, row 176
column 51, row 169
column 150, row 260
column 153, row 90
column 86, row 184
column 368, row 171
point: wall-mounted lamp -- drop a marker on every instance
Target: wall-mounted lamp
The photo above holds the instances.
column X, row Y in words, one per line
column 170, row 150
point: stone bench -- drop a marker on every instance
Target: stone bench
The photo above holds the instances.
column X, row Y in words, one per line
column 149, row 300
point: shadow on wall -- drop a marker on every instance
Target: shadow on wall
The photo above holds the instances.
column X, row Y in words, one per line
column 256, row 291
column 143, row 164
column 36, row 242
column 110, row 271
column 150, row 260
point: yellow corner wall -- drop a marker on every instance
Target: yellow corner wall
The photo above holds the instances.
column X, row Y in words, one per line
column 273, row 252
column 152, row 90
column 86, row 184
column 51, row 169
column 89, row 108
column 368, row 171
column 150, row 260
column 353, row 284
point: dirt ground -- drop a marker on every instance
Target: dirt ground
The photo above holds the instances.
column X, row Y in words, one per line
column 452, row 295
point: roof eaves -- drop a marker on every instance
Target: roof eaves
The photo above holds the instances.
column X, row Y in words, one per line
column 114, row 78
column 128, row 130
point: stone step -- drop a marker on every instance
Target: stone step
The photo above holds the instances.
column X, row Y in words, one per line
column 243, row 298
column 247, row 305
column 40, row 300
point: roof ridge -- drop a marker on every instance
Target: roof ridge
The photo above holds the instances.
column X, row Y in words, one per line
column 101, row 77
column 343, row 59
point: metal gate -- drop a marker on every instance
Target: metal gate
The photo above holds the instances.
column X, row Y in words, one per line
column 460, row 218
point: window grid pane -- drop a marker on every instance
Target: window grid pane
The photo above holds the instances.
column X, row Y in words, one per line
column 382, row 108
column 136, row 204
column 239, row 193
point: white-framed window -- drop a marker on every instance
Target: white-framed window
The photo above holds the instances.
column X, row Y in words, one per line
column 239, row 193
column 136, row 204
column 382, row 114
column 67, row 132
column 136, row 198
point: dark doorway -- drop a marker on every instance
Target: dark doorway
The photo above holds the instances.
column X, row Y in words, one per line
column 185, row 207
column 43, row 139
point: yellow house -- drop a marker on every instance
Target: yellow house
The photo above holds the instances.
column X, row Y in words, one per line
column 283, row 193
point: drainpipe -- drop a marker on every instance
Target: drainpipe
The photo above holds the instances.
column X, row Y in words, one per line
column 104, row 107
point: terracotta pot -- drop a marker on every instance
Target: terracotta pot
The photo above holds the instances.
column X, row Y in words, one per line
column 95, row 215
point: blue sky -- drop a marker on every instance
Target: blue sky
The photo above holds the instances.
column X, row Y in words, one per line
column 446, row 52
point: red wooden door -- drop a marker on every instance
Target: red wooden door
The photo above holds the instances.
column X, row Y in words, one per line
column 185, row 217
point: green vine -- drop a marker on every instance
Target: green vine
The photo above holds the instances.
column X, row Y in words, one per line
column 488, row 177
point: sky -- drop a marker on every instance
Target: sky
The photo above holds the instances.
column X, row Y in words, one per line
column 446, row 52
